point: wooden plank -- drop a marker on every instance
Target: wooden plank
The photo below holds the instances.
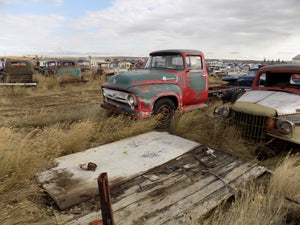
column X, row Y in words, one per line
column 139, row 192
column 213, row 200
column 123, row 160
column 138, row 208
column 201, row 202
column 187, row 196
column 131, row 195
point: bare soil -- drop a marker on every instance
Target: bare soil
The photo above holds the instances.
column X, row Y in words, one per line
column 63, row 100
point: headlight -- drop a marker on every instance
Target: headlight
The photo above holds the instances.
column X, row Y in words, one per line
column 131, row 100
column 224, row 111
column 286, row 127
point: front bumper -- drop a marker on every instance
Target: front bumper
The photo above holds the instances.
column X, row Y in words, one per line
column 119, row 108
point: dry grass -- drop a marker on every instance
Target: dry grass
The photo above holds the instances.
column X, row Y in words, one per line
column 215, row 81
column 198, row 126
column 286, row 179
column 265, row 204
column 29, row 144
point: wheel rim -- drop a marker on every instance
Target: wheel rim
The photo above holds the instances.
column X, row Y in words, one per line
column 164, row 113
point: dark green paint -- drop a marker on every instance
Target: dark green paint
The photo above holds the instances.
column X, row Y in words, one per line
column 196, row 82
column 142, row 77
column 149, row 93
column 70, row 72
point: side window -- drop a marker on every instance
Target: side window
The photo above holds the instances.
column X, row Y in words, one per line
column 262, row 80
column 194, row 62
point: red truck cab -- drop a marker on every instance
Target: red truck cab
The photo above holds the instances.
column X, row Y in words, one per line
column 172, row 79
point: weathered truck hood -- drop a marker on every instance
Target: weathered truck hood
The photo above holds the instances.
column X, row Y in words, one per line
column 141, row 77
column 283, row 102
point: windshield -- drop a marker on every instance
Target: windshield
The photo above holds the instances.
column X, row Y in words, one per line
column 172, row 62
column 279, row 80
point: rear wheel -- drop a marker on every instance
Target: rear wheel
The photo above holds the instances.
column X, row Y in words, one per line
column 164, row 110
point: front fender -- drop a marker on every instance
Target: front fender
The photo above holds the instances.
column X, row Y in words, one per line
column 148, row 94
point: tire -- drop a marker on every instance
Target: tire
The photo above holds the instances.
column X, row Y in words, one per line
column 164, row 109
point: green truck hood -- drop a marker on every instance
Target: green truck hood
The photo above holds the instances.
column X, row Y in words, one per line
column 142, row 77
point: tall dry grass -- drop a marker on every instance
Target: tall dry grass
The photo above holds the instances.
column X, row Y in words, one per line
column 285, row 181
column 265, row 204
column 199, row 126
column 26, row 151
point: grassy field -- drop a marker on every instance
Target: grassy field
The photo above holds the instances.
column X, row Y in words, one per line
column 39, row 124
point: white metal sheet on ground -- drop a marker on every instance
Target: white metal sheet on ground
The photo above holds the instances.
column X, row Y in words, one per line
column 68, row 184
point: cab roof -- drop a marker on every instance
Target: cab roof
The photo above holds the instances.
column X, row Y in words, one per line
column 177, row 51
column 281, row 68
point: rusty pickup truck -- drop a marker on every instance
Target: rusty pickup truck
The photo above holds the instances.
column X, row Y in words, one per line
column 172, row 79
column 270, row 111
column 17, row 72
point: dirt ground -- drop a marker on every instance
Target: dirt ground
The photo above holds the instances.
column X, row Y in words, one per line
column 34, row 101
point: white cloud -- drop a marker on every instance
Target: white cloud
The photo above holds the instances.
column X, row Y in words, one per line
column 27, row 33
column 213, row 26
column 255, row 29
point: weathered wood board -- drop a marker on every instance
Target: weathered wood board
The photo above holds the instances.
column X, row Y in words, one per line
column 179, row 196
column 123, row 160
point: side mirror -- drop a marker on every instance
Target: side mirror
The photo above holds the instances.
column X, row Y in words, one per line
column 295, row 79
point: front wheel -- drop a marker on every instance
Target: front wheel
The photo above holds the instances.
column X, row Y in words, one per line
column 164, row 110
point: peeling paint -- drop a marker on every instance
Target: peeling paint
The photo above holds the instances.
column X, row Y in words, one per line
column 188, row 87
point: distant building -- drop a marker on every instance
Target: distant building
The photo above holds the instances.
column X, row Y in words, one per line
column 296, row 59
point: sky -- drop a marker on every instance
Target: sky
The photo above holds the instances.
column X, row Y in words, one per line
column 231, row 29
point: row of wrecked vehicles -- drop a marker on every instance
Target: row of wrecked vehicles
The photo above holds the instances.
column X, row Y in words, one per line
column 65, row 70
column 21, row 72
column 268, row 113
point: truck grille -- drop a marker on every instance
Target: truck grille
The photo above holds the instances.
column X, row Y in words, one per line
column 115, row 95
column 251, row 126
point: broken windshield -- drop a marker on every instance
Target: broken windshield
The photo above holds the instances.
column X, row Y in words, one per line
column 172, row 62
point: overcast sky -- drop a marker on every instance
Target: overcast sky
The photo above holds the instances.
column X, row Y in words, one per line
column 236, row 29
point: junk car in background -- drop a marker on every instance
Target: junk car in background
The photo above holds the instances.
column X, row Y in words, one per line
column 269, row 113
column 111, row 68
column 244, row 81
column 105, row 68
column 84, row 65
column 68, row 71
column 50, row 68
column 17, row 71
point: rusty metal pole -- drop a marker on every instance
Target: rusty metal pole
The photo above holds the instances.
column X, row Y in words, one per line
column 105, row 200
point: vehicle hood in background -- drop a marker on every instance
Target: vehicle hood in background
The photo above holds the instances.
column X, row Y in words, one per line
column 283, row 102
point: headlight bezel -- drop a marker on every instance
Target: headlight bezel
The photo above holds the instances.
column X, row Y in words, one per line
column 131, row 100
column 285, row 127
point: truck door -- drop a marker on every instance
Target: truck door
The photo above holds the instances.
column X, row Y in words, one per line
column 196, row 83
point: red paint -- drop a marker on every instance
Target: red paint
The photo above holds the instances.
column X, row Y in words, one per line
column 189, row 87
